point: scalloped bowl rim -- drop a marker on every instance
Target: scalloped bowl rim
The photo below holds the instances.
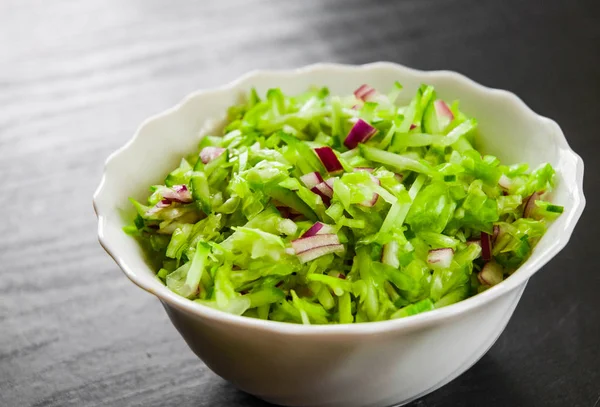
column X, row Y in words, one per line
column 414, row 322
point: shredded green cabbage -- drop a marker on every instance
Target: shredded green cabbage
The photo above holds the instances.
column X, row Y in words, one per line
column 403, row 221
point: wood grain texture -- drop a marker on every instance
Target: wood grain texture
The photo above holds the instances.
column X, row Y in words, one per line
column 76, row 79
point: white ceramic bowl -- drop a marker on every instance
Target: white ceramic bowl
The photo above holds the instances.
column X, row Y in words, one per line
column 370, row 364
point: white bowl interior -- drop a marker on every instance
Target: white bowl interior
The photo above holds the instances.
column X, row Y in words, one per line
column 507, row 129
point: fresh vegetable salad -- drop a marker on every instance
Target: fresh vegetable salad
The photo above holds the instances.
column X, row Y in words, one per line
column 319, row 209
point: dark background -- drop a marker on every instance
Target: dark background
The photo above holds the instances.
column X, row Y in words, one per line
column 76, row 79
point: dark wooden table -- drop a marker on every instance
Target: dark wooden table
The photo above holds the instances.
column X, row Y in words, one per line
column 76, row 79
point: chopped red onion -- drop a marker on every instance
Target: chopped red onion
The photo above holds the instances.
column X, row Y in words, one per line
column 307, row 243
column 319, row 229
column 495, row 233
column 486, row 246
column 325, row 189
column 530, row 204
column 325, row 198
column 443, row 113
column 312, row 254
column 361, row 132
column 178, row 193
column 311, row 179
column 442, row 110
column 329, row 159
column 364, row 92
column 491, row 274
column 164, row 203
column 313, row 230
column 440, row 257
column 505, row 182
column 330, row 181
column 210, row 153
column 371, row 202
column 412, row 126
